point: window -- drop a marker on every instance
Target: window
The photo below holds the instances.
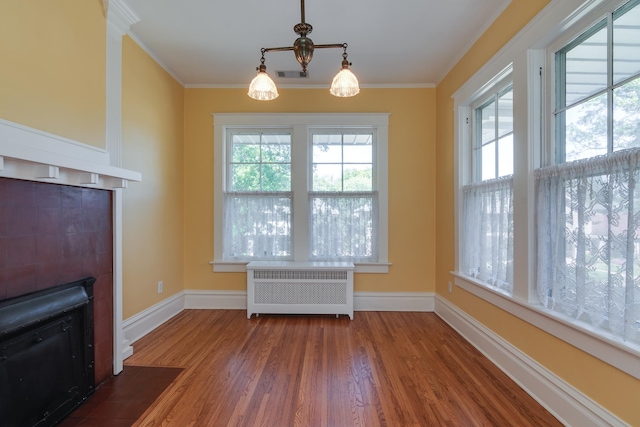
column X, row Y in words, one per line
column 300, row 187
column 258, row 197
column 588, row 261
column 598, row 82
column 343, row 204
column 493, row 149
column 487, row 231
column 576, row 201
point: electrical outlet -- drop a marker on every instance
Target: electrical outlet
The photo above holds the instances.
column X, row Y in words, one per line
column 160, row 287
column 450, row 287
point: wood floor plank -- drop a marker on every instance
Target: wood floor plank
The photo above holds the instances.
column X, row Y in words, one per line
column 381, row 369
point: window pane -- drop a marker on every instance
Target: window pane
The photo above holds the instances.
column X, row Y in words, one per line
column 245, row 152
column 358, row 153
column 626, row 44
column 358, row 178
column 343, row 227
column 258, row 227
column 327, row 153
column 245, row 177
column 487, row 235
column 359, row 138
column 327, row 178
column 505, row 113
column 276, row 153
column 586, row 68
column 276, row 177
column 626, row 116
column 489, row 161
column 586, row 129
column 488, row 117
column 588, row 241
column 505, row 155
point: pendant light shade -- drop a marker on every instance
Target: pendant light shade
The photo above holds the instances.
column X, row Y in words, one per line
column 262, row 87
column 344, row 84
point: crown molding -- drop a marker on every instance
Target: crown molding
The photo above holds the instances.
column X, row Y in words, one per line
column 120, row 16
column 318, row 86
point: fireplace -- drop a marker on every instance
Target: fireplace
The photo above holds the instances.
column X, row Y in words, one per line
column 46, row 354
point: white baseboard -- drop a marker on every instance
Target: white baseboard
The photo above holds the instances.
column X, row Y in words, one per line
column 566, row 403
column 147, row 320
column 362, row 301
column 393, row 301
column 215, row 300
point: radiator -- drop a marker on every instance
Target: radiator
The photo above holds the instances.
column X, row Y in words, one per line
column 300, row 288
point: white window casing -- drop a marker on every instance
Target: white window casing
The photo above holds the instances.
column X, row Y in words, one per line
column 302, row 126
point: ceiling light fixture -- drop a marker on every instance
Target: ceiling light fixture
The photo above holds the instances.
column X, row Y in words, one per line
column 344, row 83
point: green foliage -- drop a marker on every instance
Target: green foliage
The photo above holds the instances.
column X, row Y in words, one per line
column 353, row 179
column 261, row 167
column 588, row 132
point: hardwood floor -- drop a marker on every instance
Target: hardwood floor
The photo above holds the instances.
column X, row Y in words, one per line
column 381, row 369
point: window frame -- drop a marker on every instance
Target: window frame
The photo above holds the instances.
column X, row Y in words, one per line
column 556, row 100
column 301, row 125
column 348, row 194
column 492, row 95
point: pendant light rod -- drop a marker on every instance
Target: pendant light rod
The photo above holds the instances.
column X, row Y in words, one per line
column 316, row 46
column 302, row 11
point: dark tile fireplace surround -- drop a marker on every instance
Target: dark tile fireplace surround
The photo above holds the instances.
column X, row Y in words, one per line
column 55, row 234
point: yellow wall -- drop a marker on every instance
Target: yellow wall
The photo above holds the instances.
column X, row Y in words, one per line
column 613, row 389
column 411, row 179
column 52, row 67
column 152, row 133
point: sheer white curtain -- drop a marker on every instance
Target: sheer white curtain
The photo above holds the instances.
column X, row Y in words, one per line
column 343, row 226
column 487, row 234
column 257, row 226
column 588, row 222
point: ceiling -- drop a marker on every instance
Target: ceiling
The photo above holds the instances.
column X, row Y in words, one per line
column 391, row 43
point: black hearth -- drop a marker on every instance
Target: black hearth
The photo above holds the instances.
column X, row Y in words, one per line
column 46, row 354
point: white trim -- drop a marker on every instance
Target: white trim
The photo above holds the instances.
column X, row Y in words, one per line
column 113, row 83
column 610, row 349
column 566, row 403
column 315, row 86
column 215, row 300
column 292, row 119
column 300, row 123
column 241, row 267
column 146, row 321
column 139, row 325
column 120, row 17
column 394, row 301
column 119, row 348
column 362, row 301
column 28, row 138
column 25, row 150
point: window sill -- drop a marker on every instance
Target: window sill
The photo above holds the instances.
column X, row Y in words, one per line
column 606, row 347
column 241, row 267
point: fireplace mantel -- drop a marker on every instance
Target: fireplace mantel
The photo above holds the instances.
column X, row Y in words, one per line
column 34, row 155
